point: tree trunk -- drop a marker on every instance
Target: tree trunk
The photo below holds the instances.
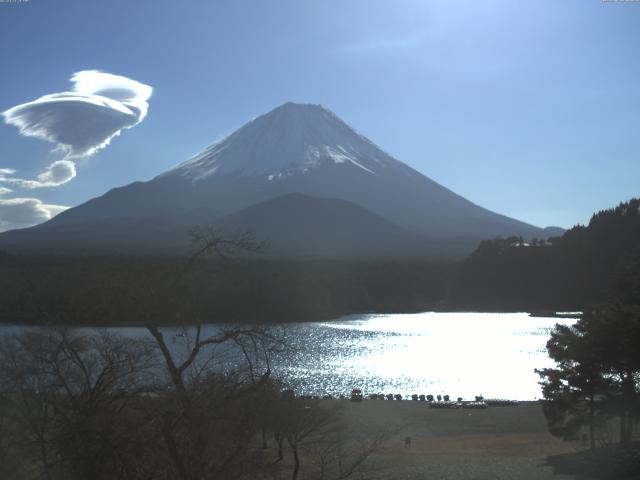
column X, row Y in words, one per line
column 172, row 447
column 623, row 427
column 44, row 459
column 296, row 464
column 174, row 372
column 279, row 441
column 592, row 439
column 627, row 407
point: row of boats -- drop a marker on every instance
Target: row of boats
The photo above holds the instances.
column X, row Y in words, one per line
column 437, row 401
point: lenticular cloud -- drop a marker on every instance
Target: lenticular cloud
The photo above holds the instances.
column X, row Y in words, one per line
column 84, row 120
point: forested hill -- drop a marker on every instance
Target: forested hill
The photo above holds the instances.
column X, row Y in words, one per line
column 570, row 272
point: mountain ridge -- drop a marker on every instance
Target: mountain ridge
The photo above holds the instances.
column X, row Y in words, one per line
column 295, row 148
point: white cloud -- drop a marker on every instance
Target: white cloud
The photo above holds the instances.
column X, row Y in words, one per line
column 25, row 212
column 56, row 174
column 84, row 120
column 79, row 122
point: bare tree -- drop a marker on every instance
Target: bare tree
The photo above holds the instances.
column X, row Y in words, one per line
column 322, row 445
column 208, row 426
column 304, row 424
column 68, row 397
column 342, row 457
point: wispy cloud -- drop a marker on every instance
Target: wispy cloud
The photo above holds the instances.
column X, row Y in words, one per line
column 56, row 174
column 25, row 212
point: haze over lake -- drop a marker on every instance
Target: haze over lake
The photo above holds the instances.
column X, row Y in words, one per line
column 459, row 354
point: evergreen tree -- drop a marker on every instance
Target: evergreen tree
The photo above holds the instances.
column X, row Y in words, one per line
column 598, row 365
column 571, row 390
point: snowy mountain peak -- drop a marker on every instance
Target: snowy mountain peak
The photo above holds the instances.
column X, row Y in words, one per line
column 289, row 140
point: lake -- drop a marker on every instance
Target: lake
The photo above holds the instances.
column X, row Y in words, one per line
column 459, row 354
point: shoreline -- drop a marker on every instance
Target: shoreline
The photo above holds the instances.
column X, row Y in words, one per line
column 534, row 314
column 392, row 368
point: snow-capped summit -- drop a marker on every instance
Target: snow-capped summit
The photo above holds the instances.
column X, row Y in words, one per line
column 291, row 139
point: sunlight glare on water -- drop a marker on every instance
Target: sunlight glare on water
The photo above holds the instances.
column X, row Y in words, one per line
column 460, row 354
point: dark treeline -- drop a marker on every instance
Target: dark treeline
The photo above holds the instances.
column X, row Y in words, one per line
column 565, row 273
column 120, row 290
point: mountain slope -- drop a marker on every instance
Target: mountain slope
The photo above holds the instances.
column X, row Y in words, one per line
column 292, row 225
column 299, row 225
column 294, row 148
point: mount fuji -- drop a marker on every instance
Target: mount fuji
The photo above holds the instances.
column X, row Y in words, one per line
column 293, row 175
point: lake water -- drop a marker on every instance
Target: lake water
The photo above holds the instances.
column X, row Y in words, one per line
column 460, row 354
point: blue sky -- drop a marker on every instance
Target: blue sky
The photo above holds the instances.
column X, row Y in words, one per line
column 528, row 108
